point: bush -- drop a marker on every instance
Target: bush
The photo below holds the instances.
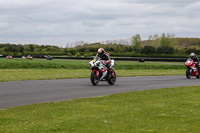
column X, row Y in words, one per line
column 165, row 50
column 69, row 54
column 148, row 50
column 85, row 55
column 78, row 55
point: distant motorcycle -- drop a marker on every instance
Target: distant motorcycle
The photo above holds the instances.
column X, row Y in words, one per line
column 191, row 69
column 100, row 72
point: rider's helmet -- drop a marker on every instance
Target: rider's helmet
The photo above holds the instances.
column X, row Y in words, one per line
column 100, row 52
column 192, row 55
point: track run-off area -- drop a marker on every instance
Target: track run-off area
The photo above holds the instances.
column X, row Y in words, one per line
column 18, row 93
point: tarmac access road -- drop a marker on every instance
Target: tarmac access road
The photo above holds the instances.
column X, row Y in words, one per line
column 17, row 93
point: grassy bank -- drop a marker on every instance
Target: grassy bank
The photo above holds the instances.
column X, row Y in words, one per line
column 173, row 110
column 44, row 74
column 41, row 69
column 79, row 64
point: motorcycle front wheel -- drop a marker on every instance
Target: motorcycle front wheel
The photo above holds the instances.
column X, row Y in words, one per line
column 112, row 79
column 188, row 73
column 94, row 79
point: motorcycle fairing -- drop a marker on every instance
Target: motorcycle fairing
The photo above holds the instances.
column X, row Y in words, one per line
column 97, row 72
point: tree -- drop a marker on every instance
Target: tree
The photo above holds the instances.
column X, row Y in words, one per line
column 155, row 37
column 136, row 43
column 150, row 37
column 120, row 48
column 165, row 41
column 31, row 47
column 148, row 50
column 165, row 50
column 27, row 48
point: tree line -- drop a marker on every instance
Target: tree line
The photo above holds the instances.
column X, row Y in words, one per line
column 166, row 45
column 29, row 49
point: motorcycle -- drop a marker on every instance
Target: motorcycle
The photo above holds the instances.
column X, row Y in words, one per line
column 191, row 69
column 100, row 72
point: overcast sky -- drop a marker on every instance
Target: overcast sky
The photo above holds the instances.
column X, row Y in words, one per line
column 58, row 22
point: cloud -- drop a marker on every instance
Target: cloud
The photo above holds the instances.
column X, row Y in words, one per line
column 62, row 21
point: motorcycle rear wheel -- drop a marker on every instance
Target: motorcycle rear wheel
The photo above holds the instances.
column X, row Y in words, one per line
column 112, row 79
column 188, row 73
column 94, row 79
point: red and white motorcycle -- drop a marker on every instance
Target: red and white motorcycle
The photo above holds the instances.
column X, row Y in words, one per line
column 191, row 69
column 100, row 72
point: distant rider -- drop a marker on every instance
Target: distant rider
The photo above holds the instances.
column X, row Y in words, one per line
column 106, row 57
column 195, row 59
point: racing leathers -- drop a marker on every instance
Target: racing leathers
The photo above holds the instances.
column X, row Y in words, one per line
column 107, row 61
column 196, row 60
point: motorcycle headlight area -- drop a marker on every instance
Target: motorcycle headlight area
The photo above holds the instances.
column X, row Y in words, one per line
column 96, row 64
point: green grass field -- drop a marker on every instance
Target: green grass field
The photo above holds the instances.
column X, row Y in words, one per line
column 41, row 69
column 171, row 110
column 46, row 74
column 80, row 64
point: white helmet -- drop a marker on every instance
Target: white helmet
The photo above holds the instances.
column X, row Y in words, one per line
column 192, row 54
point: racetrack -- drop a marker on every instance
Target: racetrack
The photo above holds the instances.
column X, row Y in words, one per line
column 17, row 93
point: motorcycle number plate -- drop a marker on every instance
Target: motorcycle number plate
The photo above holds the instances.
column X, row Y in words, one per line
column 94, row 60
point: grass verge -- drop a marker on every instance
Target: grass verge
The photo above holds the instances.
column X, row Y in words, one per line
column 173, row 110
column 45, row 74
column 80, row 64
column 41, row 69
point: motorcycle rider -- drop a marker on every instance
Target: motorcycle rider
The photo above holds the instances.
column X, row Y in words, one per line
column 105, row 56
column 195, row 59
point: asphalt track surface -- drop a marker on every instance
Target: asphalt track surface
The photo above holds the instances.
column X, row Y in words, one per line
column 17, row 93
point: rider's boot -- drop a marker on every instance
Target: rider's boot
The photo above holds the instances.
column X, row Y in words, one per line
column 110, row 71
column 109, row 68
